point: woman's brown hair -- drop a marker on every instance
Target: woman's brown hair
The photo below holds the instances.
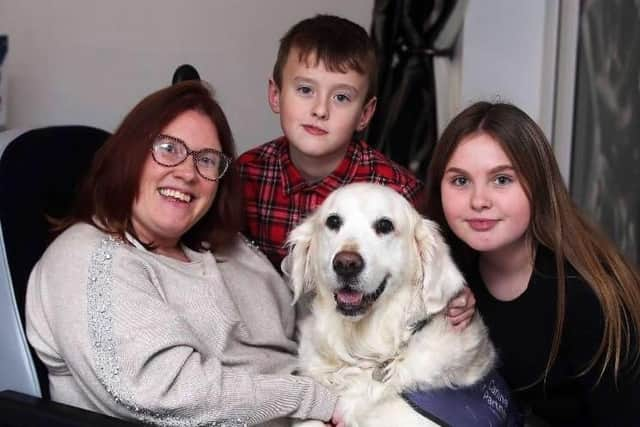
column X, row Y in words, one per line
column 556, row 223
column 107, row 195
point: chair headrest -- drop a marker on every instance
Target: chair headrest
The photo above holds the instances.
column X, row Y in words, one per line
column 185, row 72
column 39, row 173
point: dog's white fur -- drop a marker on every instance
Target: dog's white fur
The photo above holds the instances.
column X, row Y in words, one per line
column 343, row 351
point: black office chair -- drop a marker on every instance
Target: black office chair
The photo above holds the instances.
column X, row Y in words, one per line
column 40, row 171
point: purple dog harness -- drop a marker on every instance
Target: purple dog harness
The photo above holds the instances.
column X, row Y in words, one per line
column 487, row 403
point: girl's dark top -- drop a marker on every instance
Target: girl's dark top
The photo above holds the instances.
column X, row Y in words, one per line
column 522, row 331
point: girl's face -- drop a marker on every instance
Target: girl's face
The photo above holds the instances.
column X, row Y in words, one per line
column 483, row 200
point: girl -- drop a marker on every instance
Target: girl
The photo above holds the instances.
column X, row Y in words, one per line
column 561, row 303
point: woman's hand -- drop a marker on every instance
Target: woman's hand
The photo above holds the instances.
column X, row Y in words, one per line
column 460, row 309
column 336, row 423
column 336, row 418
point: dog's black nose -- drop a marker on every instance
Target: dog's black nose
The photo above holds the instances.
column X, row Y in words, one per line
column 348, row 263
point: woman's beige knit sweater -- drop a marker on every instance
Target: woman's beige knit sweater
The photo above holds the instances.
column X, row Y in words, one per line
column 136, row 335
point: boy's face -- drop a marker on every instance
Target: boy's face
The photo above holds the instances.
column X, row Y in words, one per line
column 320, row 109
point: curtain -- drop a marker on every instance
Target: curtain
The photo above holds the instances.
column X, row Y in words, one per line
column 406, row 33
column 605, row 177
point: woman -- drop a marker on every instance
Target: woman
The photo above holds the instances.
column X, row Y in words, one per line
column 149, row 305
column 561, row 303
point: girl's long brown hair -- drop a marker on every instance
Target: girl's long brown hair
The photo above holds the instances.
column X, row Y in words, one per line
column 107, row 194
column 556, row 223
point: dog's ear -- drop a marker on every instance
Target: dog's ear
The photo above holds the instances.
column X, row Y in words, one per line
column 298, row 263
column 441, row 279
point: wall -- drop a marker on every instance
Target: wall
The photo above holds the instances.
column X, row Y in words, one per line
column 508, row 53
column 89, row 62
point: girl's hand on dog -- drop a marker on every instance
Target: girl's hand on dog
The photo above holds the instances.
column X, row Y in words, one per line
column 461, row 309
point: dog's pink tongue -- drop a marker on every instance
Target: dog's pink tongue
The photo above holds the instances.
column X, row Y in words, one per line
column 349, row 297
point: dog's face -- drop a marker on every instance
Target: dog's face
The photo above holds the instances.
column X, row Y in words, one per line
column 360, row 246
column 361, row 243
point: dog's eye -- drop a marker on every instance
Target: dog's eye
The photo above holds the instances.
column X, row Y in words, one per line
column 383, row 226
column 333, row 222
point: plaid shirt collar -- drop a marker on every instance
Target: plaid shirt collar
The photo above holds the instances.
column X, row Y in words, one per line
column 293, row 181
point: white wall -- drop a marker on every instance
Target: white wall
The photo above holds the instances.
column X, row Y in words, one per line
column 89, row 62
column 508, row 53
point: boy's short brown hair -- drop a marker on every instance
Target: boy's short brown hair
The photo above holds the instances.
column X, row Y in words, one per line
column 341, row 45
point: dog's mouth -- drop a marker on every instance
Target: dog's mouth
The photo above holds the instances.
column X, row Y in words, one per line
column 350, row 302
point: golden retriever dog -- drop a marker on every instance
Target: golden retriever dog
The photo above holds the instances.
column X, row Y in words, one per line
column 381, row 277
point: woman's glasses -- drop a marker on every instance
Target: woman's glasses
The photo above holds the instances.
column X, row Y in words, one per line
column 169, row 151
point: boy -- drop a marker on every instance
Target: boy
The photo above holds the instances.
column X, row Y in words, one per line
column 323, row 88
